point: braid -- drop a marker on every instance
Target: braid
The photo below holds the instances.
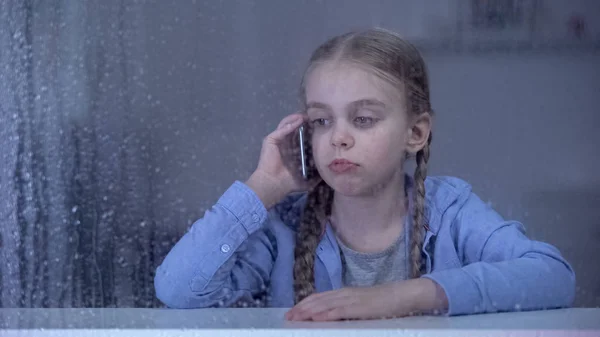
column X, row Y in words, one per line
column 416, row 239
column 317, row 209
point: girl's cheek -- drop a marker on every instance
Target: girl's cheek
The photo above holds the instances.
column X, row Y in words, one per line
column 316, row 147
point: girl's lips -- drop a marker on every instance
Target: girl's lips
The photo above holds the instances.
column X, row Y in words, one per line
column 341, row 165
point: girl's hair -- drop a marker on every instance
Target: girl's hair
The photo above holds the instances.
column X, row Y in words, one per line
column 397, row 61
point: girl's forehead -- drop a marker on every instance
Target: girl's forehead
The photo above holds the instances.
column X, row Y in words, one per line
column 337, row 84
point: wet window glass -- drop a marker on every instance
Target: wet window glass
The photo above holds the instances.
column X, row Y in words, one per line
column 122, row 123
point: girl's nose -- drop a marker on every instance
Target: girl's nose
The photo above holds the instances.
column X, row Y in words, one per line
column 341, row 138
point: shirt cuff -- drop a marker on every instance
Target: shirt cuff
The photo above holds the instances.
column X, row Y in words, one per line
column 463, row 295
column 244, row 204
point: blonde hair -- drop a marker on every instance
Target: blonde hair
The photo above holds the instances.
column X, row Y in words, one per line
column 400, row 63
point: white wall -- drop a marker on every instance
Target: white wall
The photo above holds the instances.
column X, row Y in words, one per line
column 523, row 130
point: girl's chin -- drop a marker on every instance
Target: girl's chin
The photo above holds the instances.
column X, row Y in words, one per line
column 347, row 186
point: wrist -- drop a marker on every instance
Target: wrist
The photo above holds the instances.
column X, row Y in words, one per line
column 430, row 297
column 267, row 190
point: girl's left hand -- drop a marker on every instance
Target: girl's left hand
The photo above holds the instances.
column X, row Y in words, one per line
column 378, row 302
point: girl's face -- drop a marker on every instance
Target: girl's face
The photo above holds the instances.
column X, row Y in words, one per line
column 359, row 120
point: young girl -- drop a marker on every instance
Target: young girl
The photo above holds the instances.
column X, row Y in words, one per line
column 360, row 239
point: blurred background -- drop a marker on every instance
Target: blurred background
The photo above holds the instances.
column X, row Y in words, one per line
column 121, row 121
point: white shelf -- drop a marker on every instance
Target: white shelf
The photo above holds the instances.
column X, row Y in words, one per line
column 270, row 322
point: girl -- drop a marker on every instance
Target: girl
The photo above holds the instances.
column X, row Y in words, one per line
column 360, row 239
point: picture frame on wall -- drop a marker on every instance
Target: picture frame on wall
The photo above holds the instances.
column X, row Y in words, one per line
column 493, row 22
column 522, row 25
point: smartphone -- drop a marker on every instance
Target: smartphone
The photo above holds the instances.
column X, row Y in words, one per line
column 306, row 161
column 303, row 159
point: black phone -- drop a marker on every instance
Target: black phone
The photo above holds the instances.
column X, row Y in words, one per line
column 306, row 161
column 303, row 155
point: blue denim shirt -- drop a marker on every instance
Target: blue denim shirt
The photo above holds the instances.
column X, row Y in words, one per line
column 241, row 251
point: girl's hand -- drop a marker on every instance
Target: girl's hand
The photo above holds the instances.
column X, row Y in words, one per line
column 396, row 299
column 277, row 173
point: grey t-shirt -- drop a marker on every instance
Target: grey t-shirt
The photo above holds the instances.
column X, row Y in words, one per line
column 370, row 269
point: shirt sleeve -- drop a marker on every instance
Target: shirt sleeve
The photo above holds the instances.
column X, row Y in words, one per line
column 226, row 256
column 503, row 270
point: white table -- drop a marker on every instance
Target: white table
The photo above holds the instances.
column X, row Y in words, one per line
column 270, row 322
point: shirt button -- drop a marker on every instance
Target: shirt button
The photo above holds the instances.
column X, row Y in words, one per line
column 225, row 248
column 255, row 217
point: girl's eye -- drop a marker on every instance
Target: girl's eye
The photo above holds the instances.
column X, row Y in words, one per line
column 320, row 121
column 364, row 121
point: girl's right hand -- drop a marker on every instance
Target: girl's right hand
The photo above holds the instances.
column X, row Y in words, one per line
column 277, row 173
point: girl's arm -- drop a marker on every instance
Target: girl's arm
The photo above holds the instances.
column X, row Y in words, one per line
column 503, row 269
column 225, row 257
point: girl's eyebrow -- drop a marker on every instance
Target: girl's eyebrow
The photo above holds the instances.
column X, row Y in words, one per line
column 317, row 105
column 367, row 102
column 352, row 106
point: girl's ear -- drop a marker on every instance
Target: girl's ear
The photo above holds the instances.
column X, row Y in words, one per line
column 418, row 134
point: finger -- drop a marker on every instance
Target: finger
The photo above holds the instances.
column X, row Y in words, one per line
column 315, row 297
column 329, row 300
column 340, row 305
column 335, row 314
column 322, row 296
column 320, row 308
column 280, row 133
column 296, row 310
column 290, row 118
